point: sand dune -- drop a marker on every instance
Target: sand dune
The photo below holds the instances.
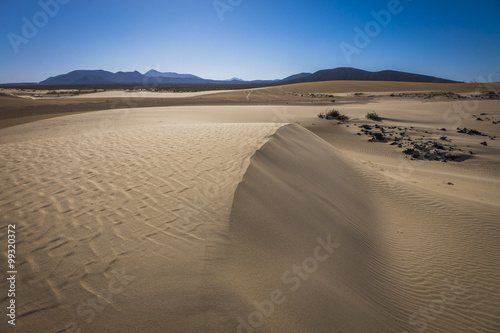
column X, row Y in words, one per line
column 146, row 94
column 297, row 196
column 230, row 219
column 407, row 259
column 151, row 203
column 386, row 87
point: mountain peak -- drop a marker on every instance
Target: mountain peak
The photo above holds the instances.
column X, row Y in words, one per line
column 170, row 75
column 102, row 77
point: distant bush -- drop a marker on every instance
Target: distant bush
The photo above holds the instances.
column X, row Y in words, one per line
column 358, row 94
column 343, row 118
column 373, row 115
column 333, row 114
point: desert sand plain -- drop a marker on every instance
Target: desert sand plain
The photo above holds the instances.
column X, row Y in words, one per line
column 242, row 211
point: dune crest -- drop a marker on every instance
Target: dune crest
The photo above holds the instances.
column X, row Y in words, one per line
column 298, row 194
column 384, row 269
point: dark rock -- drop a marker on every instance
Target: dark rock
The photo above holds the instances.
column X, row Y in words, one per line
column 453, row 157
column 484, row 143
column 438, row 145
column 465, row 130
column 419, row 147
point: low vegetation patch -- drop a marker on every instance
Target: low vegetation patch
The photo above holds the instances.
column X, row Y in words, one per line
column 442, row 94
column 72, row 92
column 490, row 95
column 343, row 118
column 333, row 114
column 373, row 116
column 430, row 95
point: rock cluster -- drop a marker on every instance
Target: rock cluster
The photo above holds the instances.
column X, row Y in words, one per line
column 424, row 146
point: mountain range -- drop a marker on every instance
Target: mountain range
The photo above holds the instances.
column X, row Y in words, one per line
column 155, row 78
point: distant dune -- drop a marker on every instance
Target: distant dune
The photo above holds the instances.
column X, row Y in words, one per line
column 387, row 87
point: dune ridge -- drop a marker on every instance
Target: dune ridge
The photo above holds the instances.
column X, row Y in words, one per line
column 296, row 190
column 407, row 259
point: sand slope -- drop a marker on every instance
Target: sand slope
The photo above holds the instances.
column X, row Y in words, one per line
column 408, row 259
column 386, row 86
column 146, row 94
column 296, row 191
column 119, row 231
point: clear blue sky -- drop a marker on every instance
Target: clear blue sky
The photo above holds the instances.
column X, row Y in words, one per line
column 257, row 39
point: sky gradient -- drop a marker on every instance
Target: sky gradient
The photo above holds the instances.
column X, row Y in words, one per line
column 249, row 39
